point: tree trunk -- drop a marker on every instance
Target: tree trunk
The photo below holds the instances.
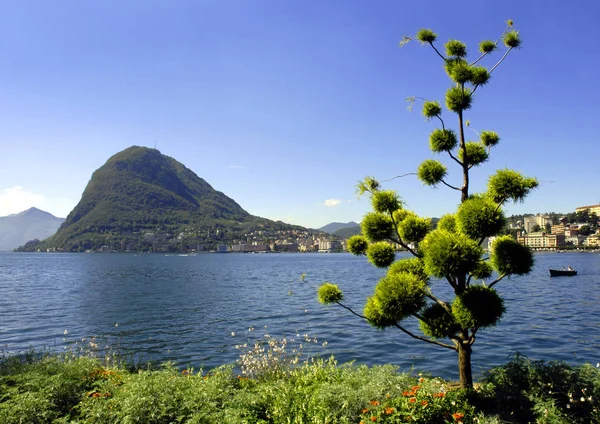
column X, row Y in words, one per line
column 464, row 365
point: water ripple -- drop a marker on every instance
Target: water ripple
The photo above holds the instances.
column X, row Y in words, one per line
column 194, row 310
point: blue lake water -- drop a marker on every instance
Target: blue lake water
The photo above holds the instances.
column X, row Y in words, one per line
column 193, row 310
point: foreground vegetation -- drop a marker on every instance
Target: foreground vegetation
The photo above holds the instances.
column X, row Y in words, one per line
column 63, row 389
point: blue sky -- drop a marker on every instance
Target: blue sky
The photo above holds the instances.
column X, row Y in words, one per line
column 284, row 105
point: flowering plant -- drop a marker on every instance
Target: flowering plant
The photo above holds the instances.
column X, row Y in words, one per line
column 428, row 402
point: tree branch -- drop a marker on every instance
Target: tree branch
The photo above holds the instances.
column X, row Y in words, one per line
column 442, row 121
column 399, row 176
column 497, row 280
column 451, row 186
column 352, row 311
column 454, row 158
column 435, row 342
column 501, row 60
column 439, row 302
column 436, row 50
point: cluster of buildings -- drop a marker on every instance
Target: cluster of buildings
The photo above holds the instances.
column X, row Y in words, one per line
column 306, row 243
column 560, row 235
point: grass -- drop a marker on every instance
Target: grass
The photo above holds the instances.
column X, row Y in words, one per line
column 52, row 388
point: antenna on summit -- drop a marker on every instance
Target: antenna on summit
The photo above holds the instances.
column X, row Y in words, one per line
column 154, row 144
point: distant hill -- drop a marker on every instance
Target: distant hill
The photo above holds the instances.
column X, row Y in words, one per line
column 17, row 229
column 335, row 226
column 141, row 199
column 348, row 232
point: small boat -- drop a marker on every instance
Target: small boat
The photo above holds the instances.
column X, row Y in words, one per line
column 565, row 272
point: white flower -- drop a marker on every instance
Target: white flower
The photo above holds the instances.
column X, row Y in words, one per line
column 233, row 334
column 66, row 332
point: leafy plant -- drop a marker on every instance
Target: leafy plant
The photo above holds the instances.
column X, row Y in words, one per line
column 452, row 252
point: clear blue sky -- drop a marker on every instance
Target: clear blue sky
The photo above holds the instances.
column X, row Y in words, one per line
column 284, row 105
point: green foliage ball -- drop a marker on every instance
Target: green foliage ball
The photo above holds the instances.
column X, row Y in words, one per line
column 510, row 257
column 456, row 48
column 479, row 75
column 487, row 46
column 507, row 184
column 478, row 306
column 368, row 185
column 476, row 154
column 438, row 323
column 447, row 222
column 376, row 226
column 357, row 245
column 385, row 201
column 489, row 138
column 512, row 39
column 442, row 140
column 461, row 73
column 411, row 265
column 381, row 254
column 431, row 172
column 414, row 229
column 401, row 214
column 426, row 36
column 458, row 99
column 329, row 293
column 453, row 62
column 400, row 295
column 449, row 254
column 372, row 312
column 479, row 217
column 431, row 109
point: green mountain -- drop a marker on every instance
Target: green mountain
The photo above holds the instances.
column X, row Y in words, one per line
column 332, row 227
column 347, row 232
column 143, row 200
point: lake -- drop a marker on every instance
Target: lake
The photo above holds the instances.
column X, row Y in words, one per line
column 193, row 310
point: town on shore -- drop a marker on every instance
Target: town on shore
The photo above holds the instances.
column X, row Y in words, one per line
column 540, row 232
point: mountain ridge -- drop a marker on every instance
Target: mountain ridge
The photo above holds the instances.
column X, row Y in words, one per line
column 18, row 228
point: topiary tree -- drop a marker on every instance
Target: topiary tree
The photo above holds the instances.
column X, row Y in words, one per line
column 452, row 253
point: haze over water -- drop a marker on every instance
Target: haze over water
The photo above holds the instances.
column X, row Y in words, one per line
column 193, row 310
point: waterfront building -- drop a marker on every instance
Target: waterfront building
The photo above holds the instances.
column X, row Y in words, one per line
column 541, row 240
column 326, row 246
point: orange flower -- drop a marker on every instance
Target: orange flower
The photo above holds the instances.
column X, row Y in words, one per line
column 365, row 410
column 374, row 402
column 373, row 418
column 416, row 388
column 412, row 400
column 439, row 395
column 424, row 403
column 186, row 372
column 389, row 411
column 407, row 393
column 458, row 415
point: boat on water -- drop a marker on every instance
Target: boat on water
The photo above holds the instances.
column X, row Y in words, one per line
column 565, row 272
